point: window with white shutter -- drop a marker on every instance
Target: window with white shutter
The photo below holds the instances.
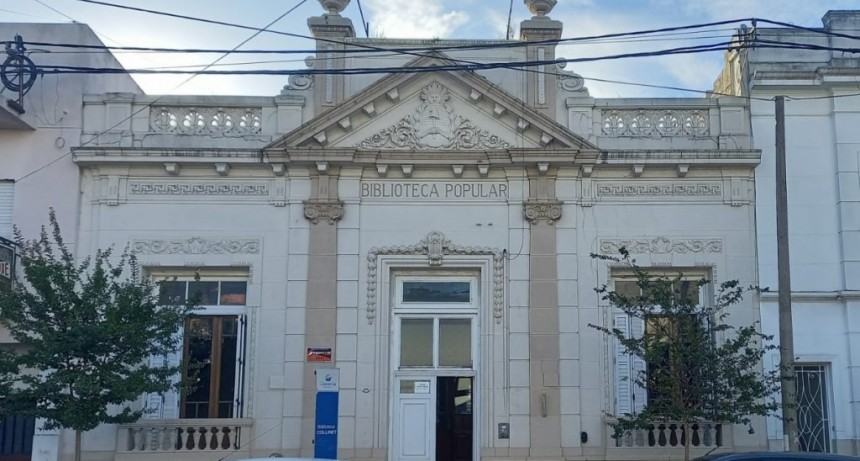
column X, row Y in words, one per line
column 630, row 398
column 7, row 196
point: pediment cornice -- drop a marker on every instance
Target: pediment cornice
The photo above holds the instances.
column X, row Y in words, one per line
column 432, row 111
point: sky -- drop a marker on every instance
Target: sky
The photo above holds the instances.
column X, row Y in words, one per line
column 446, row 19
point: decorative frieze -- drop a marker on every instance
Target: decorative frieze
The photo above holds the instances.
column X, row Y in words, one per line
column 655, row 123
column 199, row 188
column 196, row 246
column 435, row 125
column 206, row 121
column 538, row 211
column 650, row 189
column 435, row 246
column 317, row 210
column 661, row 245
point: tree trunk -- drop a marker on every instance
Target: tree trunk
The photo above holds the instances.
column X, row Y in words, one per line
column 77, row 445
column 685, row 428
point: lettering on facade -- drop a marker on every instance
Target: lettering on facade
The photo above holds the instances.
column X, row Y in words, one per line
column 430, row 190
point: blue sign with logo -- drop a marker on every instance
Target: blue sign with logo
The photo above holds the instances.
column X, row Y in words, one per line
column 325, row 427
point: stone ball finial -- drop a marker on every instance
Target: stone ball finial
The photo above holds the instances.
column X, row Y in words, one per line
column 334, row 6
column 540, row 8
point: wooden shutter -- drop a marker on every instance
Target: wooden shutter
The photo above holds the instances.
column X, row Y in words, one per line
column 7, row 195
column 623, row 377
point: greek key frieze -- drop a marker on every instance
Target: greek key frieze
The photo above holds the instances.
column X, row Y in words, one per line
column 660, row 190
column 196, row 246
column 217, row 189
column 661, row 245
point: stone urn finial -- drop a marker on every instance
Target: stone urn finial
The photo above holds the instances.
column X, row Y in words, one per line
column 335, row 6
column 540, row 8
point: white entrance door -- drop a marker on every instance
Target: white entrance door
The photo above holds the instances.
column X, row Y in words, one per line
column 415, row 419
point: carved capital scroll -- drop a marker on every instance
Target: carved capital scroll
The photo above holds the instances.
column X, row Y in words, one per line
column 537, row 211
column 323, row 209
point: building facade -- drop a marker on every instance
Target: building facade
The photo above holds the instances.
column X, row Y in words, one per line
column 822, row 108
column 36, row 167
column 428, row 233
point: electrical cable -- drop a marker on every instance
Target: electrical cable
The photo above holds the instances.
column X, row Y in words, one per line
column 394, row 70
column 97, row 136
column 475, row 47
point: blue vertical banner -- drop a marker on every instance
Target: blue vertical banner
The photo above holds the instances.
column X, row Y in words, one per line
column 325, row 426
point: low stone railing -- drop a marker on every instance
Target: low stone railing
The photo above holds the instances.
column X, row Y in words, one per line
column 705, row 437
column 182, row 435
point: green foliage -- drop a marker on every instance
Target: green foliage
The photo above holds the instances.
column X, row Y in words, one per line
column 700, row 368
column 88, row 328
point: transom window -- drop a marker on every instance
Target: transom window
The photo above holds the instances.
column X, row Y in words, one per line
column 211, row 292
column 436, row 320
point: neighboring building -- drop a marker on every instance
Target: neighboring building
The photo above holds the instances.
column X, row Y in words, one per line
column 822, row 148
column 430, row 234
column 36, row 168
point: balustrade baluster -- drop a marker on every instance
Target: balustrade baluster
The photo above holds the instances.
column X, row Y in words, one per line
column 213, row 439
column 201, row 443
column 225, row 438
column 152, row 439
column 189, row 438
column 137, row 439
column 662, row 439
column 696, row 434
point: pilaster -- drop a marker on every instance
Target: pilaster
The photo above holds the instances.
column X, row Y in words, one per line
column 323, row 209
column 543, row 210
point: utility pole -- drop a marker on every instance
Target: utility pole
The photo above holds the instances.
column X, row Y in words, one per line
column 786, row 334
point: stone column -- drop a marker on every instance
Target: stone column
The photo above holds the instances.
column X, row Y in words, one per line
column 323, row 210
column 542, row 210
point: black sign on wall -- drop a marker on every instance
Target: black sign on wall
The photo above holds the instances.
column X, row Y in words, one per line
column 7, row 263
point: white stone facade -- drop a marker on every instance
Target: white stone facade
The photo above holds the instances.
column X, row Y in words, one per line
column 822, row 145
column 331, row 198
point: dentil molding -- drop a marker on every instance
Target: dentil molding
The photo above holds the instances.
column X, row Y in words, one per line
column 435, row 246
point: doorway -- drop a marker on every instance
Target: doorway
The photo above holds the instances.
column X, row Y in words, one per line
column 434, row 419
column 434, row 355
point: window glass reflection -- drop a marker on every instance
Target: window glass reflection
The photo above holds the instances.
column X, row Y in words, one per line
column 436, row 292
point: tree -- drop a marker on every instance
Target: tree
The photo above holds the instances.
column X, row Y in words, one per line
column 699, row 367
column 88, row 329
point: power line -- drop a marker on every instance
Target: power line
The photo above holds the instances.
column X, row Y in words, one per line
column 720, row 46
column 141, row 49
column 147, row 106
column 40, row 2
column 361, row 45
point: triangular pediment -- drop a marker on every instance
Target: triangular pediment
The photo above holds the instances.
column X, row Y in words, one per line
column 428, row 111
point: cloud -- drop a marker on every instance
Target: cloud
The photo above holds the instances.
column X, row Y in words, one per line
column 414, row 19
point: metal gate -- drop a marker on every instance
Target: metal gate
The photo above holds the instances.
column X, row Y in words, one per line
column 16, row 438
column 813, row 415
